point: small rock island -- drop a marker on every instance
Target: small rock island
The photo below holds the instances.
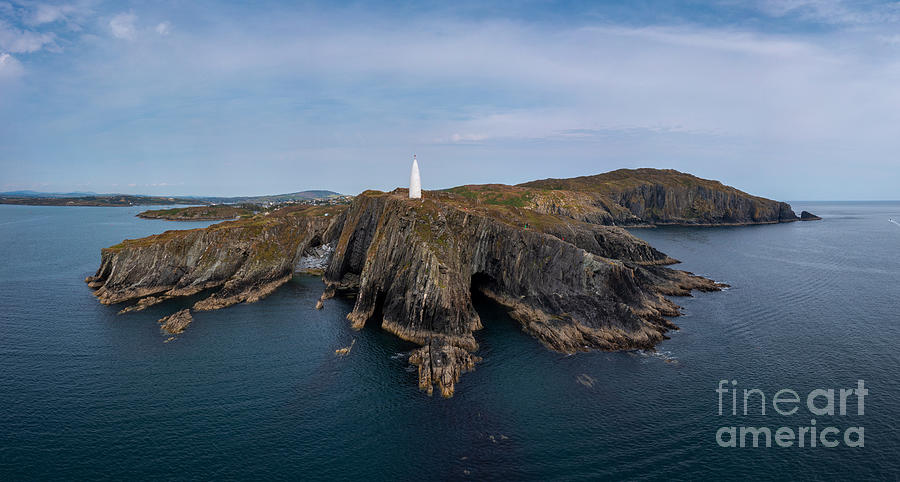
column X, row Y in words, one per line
column 553, row 252
column 808, row 216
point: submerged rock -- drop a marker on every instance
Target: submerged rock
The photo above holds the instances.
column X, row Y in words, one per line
column 586, row 380
column 345, row 350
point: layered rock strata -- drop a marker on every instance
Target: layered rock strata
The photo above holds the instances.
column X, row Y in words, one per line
column 653, row 197
column 238, row 261
column 412, row 265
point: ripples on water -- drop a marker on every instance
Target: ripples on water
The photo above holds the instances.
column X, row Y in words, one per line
column 255, row 391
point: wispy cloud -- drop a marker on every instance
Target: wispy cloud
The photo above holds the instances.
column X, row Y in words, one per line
column 9, row 67
column 839, row 12
column 122, row 26
column 49, row 13
column 17, row 40
column 164, row 28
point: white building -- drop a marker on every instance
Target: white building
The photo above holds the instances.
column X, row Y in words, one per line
column 415, row 182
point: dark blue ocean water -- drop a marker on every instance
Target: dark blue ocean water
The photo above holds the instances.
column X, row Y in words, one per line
column 255, row 391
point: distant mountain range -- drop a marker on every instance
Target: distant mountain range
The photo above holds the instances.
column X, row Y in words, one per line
column 35, row 198
column 49, row 194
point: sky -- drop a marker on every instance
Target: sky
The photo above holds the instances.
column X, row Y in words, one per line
column 791, row 99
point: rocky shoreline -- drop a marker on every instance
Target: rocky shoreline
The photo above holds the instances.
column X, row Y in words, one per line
column 412, row 266
column 198, row 213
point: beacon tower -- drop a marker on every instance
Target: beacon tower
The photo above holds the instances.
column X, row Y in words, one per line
column 415, row 182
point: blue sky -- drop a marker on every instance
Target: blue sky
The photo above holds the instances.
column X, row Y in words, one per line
column 793, row 99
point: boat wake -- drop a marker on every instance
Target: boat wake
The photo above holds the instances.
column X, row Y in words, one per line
column 895, row 222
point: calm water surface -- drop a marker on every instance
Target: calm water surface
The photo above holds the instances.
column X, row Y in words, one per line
column 255, row 391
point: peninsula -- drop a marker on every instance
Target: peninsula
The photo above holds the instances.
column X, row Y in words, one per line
column 216, row 212
column 551, row 251
column 32, row 198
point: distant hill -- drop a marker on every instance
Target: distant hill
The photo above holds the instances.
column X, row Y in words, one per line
column 277, row 198
column 111, row 200
column 27, row 193
column 35, row 198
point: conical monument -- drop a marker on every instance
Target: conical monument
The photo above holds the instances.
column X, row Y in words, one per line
column 415, row 182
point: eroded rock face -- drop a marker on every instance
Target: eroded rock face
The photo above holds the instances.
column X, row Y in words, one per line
column 441, row 363
column 414, row 264
column 700, row 204
column 658, row 197
column 244, row 260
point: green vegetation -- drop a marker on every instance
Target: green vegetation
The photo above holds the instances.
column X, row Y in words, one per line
column 623, row 197
column 495, row 194
column 621, row 180
column 248, row 227
column 155, row 239
column 84, row 199
column 199, row 213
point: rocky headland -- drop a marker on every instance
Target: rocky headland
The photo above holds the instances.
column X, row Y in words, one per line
column 547, row 251
column 635, row 197
column 216, row 212
column 32, row 198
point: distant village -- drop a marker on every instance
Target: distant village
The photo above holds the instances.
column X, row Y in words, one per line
column 273, row 205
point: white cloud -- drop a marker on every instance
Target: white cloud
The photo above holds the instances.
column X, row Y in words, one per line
column 521, row 81
column 890, row 39
column 837, row 12
column 457, row 137
column 122, row 26
column 47, row 13
column 10, row 67
column 164, row 28
column 15, row 40
column 646, row 93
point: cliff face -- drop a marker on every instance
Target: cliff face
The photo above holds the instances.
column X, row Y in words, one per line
column 414, row 264
column 244, row 259
column 654, row 196
column 700, row 204
column 570, row 281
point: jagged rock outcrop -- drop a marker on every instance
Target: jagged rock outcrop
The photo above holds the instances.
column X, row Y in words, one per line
column 808, row 216
column 176, row 322
column 244, row 260
column 441, row 363
column 414, row 264
column 543, row 249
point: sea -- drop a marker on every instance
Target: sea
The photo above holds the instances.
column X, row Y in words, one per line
column 255, row 391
